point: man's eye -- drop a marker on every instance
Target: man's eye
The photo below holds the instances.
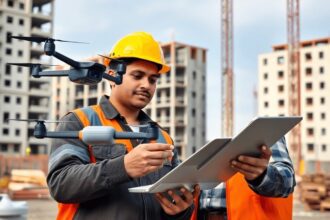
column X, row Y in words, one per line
column 153, row 80
column 137, row 76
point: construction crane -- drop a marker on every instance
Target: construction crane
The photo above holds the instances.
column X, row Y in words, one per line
column 227, row 75
column 293, row 34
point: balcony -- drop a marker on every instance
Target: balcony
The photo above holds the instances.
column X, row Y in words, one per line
column 36, row 50
column 163, row 101
column 79, row 95
column 167, row 59
column 41, row 80
column 40, row 17
column 179, row 121
column 179, row 101
column 40, row 92
column 41, row 2
column 179, row 140
column 39, row 108
column 180, row 61
column 179, row 81
column 36, row 141
column 39, row 32
column 164, row 121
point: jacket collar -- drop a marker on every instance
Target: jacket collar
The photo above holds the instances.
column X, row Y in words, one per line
column 111, row 112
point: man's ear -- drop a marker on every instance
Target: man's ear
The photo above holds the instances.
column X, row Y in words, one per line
column 112, row 73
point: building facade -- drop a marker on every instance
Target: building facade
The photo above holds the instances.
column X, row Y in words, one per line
column 315, row 96
column 179, row 105
column 21, row 96
column 180, row 102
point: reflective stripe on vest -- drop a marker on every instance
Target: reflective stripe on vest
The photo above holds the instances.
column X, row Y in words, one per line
column 94, row 116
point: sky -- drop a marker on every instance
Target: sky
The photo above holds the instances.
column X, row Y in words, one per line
column 258, row 24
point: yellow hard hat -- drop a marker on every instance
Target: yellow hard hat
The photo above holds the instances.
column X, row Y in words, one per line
column 140, row 45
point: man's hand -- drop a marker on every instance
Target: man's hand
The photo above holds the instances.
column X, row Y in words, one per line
column 252, row 167
column 179, row 203
column 146, row 158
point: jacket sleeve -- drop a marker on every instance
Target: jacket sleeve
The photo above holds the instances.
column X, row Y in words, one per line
column 279, row 178
column 186, row 214
column 72, row 178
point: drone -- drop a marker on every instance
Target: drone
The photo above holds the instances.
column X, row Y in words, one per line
column 92, row 135
column 87, row 73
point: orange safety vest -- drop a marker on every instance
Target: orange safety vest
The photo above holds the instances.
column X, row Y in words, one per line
column 66, row 211
column 244, row 203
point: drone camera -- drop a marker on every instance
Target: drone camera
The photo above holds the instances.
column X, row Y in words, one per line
column 40, row 130
column 49, row 47
column 121, row 69
column 85, row 76
column 35, row 70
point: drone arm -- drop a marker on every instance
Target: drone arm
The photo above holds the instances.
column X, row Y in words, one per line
column 66, row 59
column 118, row 79
column 151, row 134
column 53, row 73
column 131, row 135
column 120, row 70
column 63, row 134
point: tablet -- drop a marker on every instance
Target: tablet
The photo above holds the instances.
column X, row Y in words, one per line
column 211, row 164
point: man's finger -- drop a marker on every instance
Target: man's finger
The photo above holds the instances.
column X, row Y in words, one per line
column 187, row 195
column 165, row 202
column 155, row 162
column 247, row 168
column 248, row 175
column 158, row 147
column 253, row 161
column 266, row 152
column 161, row 155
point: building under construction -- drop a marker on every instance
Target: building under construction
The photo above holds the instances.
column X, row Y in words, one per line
column 22, row 96
column 274, row 98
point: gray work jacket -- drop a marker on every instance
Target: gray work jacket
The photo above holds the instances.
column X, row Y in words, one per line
column 101, row 188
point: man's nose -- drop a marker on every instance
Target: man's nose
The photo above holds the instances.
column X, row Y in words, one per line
column 145, row 82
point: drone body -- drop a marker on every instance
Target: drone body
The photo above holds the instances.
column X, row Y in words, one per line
column 86, row 73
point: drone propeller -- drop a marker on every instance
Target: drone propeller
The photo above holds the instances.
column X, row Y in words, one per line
column 109, row 58
column 40, row 121
column 106, row 57
column 31, row 64
column 43, row 39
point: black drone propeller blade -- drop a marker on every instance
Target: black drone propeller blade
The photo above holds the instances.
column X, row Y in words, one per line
column 31, row 64
column 109, row 58
column 43, row 39
column 24, row 64
column 32, row 39
column 77, row 42
column 106, row 57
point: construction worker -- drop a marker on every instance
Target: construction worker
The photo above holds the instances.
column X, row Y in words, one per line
column 255, row 192
column 91, row 182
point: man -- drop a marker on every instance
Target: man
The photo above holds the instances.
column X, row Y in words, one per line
column 91, row 182
column 251, row 193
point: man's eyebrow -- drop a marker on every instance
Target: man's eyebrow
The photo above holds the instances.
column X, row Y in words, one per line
column 157, row 75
